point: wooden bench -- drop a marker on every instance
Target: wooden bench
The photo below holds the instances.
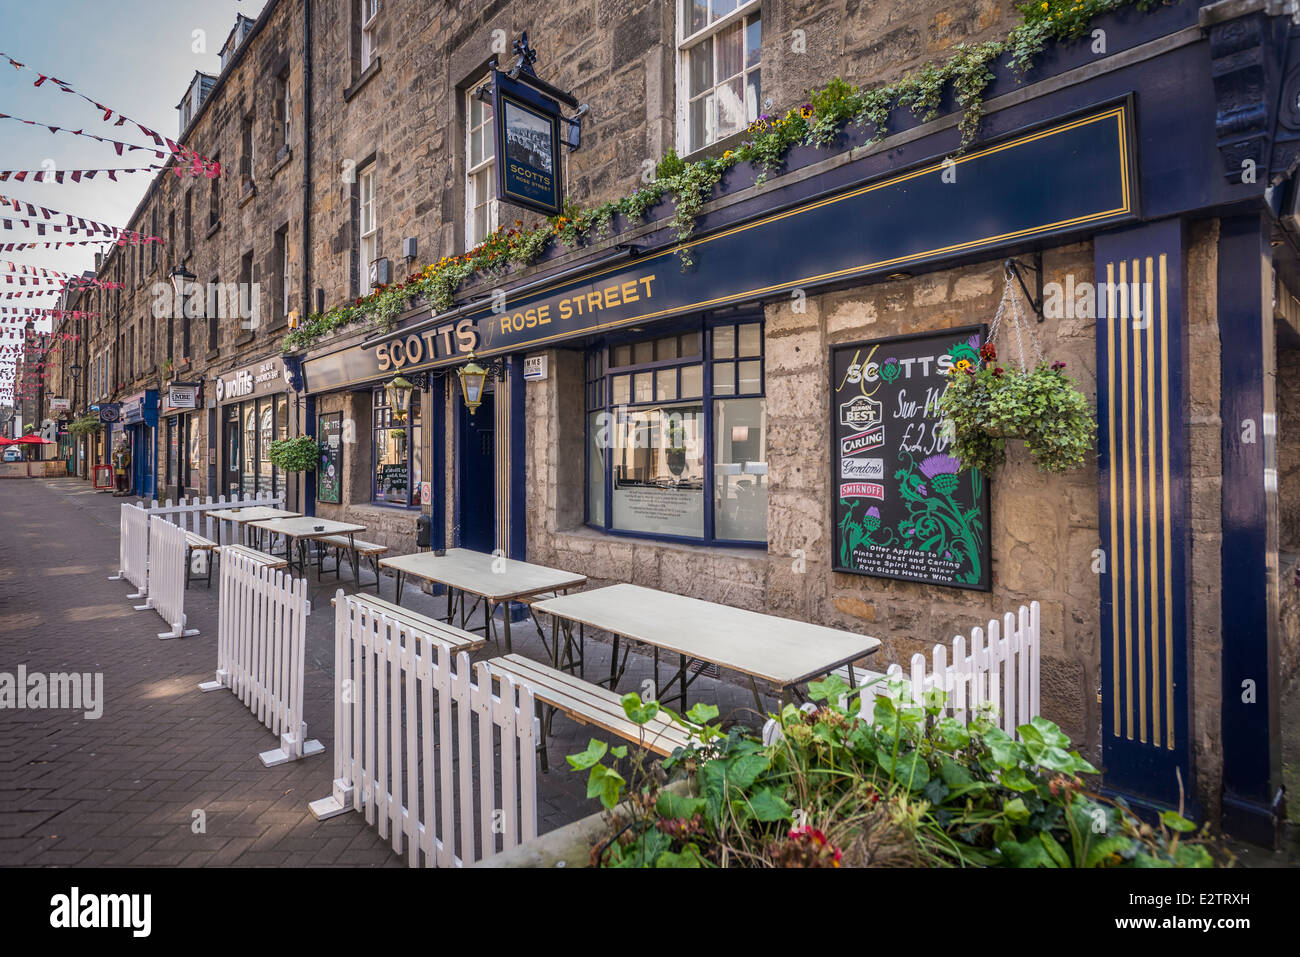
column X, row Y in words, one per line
column 341, row 544
column 590, row 704
column 253, row 555
column 457, row 638
column 194, row 542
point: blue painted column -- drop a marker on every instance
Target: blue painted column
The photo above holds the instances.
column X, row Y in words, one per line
column 1253, row 805
column 1143, row 489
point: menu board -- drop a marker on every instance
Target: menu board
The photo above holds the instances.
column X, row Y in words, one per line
column 903, row 508
column 329, row 472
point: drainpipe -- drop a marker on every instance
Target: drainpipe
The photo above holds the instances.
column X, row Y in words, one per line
column 306, row 207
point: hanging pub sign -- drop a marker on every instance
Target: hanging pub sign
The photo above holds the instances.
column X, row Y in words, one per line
column 530, row 129
column 902, row 506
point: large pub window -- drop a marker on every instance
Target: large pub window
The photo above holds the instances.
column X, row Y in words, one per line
column 396, row 451
column 250, row 429
column 677, row 434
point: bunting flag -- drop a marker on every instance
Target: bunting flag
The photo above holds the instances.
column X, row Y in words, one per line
column 71, row 175
column 18, row 206
column 8, row 265
column 75, row 282
column 43, row 78
column 16, row 247
column 39, row 313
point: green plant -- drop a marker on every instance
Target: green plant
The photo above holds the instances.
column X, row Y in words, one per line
column 986, row 406
column 84, row 425
column 294, row 455
column 903, row 786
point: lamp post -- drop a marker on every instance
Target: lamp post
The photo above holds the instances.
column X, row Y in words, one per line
column 472, row 377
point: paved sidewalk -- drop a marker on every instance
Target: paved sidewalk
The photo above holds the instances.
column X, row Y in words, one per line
column 127, row 788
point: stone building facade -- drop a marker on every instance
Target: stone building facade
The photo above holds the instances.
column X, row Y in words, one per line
column 381, row 165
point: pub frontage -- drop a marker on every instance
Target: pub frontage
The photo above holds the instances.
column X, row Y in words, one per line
column 754, row 422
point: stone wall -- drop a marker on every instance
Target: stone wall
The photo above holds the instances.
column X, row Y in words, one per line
column 1205, row 431
column 1044, row 529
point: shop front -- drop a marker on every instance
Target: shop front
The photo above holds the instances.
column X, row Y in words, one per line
column 183, row 448
column 757, row 425
column 139, row 421
column 252, row 407
column 379, row 432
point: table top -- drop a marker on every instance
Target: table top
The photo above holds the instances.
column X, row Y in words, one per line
column 479, row 573
column 779, row 650
column 307, row 527
column 250, row 513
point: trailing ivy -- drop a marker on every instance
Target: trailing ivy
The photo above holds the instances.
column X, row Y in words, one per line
column 820, row 122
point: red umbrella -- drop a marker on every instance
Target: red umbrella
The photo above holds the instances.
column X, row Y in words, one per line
column 6, row 441
column 32, row 439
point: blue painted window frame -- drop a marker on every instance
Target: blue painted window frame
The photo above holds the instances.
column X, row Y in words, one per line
column 598, row 397
column 380, row 410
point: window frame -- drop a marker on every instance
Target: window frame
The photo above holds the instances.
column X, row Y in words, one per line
column 414, row 438
column 369, row 39
column 598, row 397
column 745, row 9
column 484, row 170
column 366, row 238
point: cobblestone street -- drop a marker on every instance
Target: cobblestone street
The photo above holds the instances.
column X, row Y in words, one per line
column 124, row 789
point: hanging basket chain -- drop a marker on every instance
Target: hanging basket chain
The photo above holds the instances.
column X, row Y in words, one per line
column 1018, row 320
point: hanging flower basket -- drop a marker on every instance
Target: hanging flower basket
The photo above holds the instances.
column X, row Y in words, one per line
column 986, row 406
column 294, row 455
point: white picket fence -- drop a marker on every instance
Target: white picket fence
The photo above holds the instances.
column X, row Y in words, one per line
column 133, row 549
column 165, row 585
column 189, row 514
column 261, row 648
column 407, row 754
column 999, row 668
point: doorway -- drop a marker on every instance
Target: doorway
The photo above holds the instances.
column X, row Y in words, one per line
column 476, row 476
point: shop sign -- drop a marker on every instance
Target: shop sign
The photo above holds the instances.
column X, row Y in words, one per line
column 267, row 376
column 141, row 408
column 528, row 145
column 904, row 508
column 183, row 396
column 329, row 472
column 109, row 412
column 535, row 367
column 60, row 405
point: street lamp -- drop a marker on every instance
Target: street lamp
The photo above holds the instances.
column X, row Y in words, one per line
column 472, row 376
column 399, row 396
column 181, row 277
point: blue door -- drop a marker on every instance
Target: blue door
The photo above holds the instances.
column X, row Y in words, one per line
column 476, row 478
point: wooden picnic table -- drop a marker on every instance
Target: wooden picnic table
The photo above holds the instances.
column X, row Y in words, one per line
column 780, row 651
column 491, row 579
column 249, row 513
column 306, row 528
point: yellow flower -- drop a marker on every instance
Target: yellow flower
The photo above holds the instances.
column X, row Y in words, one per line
column 1044, row 6
column 963, row 364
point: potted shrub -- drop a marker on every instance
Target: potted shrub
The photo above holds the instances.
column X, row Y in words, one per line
column 294, row 455
column 985, row 406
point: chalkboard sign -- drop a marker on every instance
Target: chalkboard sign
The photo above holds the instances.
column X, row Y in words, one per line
column 901, row 507
column 329, row 474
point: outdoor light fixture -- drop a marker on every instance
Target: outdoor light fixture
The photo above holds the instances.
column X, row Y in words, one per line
column 399, row 396
column 75, row 370
column 180, row 276
column 472, row 376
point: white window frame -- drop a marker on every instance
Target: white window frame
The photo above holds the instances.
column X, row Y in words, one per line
column 685, row 43
column 369, row 41
column 479, row 172
column 286, row 128
column 285, row 277
column 367, row 223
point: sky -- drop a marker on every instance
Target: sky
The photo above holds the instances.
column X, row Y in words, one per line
column 134, row 56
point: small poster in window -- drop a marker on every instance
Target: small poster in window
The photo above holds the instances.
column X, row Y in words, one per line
column 426, row 493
